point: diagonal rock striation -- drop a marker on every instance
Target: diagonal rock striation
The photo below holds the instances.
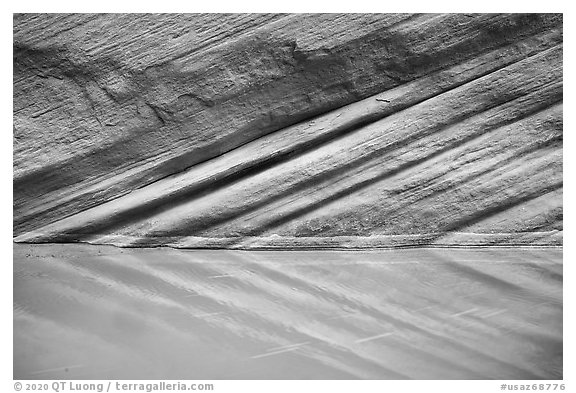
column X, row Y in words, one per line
column 284, row 131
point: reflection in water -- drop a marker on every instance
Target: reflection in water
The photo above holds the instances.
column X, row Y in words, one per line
column 91, row 312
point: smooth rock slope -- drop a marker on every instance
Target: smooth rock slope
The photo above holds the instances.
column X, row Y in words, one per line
column 264, row 131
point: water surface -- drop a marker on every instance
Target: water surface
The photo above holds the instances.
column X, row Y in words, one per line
column 91, row 312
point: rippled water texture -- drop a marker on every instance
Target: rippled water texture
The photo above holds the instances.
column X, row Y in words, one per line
column 100, row 312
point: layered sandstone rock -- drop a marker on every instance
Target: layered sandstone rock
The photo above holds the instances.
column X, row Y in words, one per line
column 250, row 131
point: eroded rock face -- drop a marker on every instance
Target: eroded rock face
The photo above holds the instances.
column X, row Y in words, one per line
column 288, row 130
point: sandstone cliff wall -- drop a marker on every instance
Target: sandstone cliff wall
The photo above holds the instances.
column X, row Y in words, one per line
column 253, row 130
